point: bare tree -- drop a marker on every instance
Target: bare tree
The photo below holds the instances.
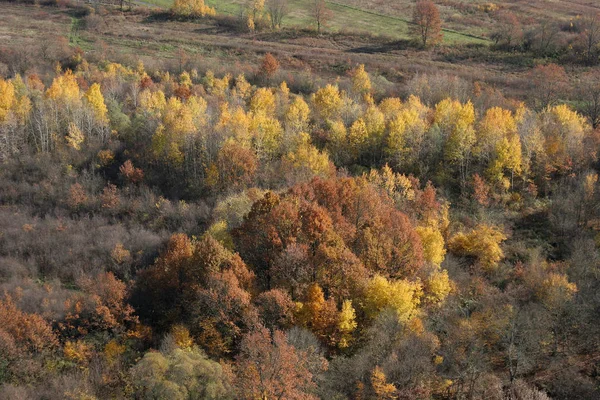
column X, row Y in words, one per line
column 321, row 13
column 590, row 36
column 508, row 31
column 277, row 10
column 588, row 93
column 542, row 39
column 426, row 23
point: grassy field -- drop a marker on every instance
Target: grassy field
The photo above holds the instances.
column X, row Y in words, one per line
column 304, row 56
column 346, row 17
column 467, row 21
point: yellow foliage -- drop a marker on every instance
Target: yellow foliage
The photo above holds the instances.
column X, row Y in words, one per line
column 178, row 118
column 238, row 127
column 197, row 107
column 105, row 157
column 556, row 290
column 7, row 98
column 328, row 101
column 308, row 156
column 220, row 86
column 496, row 124
column 346, row 324
column 267, row 134
column 96, row 101
column 382, row 389
column 508, row 157
column 589, row 185
column 361, row 83
column 433, row 244
column 74, row 137
column 113, row 350
column 64, row 88
column 181, row 337
column 456, row 123
column 401, row 295
column 297, row 115
column 483, row 242
column 564, row 131
column 192, row 8
column 120, row 254
column 375, row 123
column 78, row 351
column 219, row 232
column 390, row 106
column 153, row 103
column 437, row 286
column 185, row 79
column 357, row 137
column 263, row 102
column 242, row 87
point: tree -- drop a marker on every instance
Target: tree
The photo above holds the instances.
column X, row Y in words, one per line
column 269, row 65
column 191, row 8
column 548, row 83
column 275, row 308
column 401, row 296
column 508, row 31
column 483, row 243
column 96, row 102
column 346, row 324
column 180, row 375
column 456, row 123
column 321, row 13
column 588, row 94
column 433, row 244
column 130, row 173
column 426, row 23
column 382, row 389
column 268, row 367
column 74, row 137
column 277, row 10
column 361, row 83
column 590, row 36
column 327, row 101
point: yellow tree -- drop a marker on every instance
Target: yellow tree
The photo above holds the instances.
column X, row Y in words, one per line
column 433, row 244
column 74, row 137
column 499, row 145
column 297, row 116
column 306, row 161
column 361, row 83
column 64, row 89
column 455, row 121
column 7, row 99
column 406, row 132
column 358, row 137
column 191, row 8
column 483, row 243
column 95, row 100
column 328, row 102
column 263, row 102
column 346, row 324
column 382, row 389
column 400, row 295
column 437, row 286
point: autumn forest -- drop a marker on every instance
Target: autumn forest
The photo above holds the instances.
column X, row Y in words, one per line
column 232, row 221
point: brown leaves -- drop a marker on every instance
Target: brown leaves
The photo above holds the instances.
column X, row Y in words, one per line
column 268, row 367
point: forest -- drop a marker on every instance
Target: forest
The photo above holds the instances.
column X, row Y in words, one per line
column 213, row 222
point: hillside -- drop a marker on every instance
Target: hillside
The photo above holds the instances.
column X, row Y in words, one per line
column 201, row 204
